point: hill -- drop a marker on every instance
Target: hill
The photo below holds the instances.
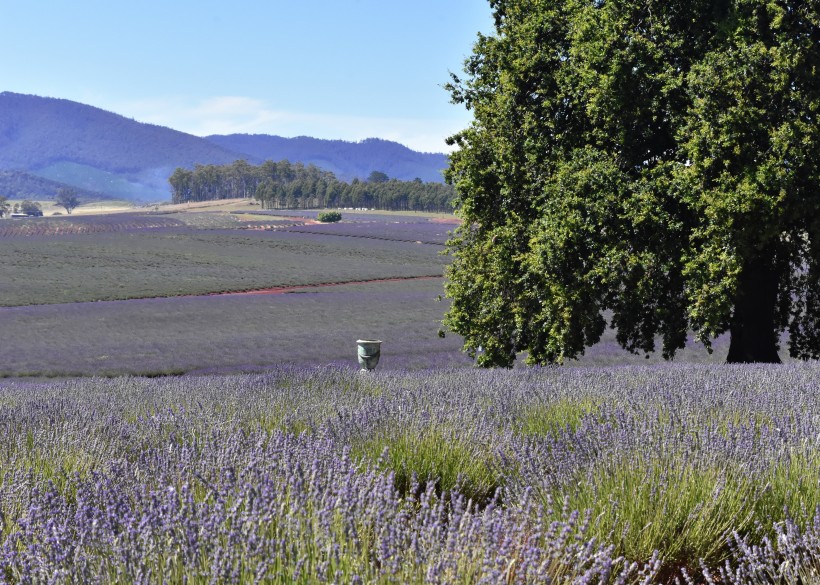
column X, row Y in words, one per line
column 21, row 185
column 93, row 149
column 100, row 152
column 347, row 160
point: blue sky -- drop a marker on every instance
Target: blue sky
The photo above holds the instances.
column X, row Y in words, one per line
column 347, row 69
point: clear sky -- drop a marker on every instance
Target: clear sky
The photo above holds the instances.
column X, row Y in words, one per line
column 346, row 69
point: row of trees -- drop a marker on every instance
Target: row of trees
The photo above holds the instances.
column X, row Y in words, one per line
column 66, row 197
column 294, row 185
column 28, row 207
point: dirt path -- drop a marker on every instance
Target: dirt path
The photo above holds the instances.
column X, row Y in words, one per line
column 278, row 290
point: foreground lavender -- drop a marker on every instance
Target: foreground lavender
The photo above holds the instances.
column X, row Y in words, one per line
column 630, row 475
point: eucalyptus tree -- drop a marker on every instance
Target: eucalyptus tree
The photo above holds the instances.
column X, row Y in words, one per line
column 644, row 164
column 67, row 198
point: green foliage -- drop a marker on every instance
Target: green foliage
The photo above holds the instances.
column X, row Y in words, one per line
column 687, row 511
column 329, row 216
column 653, row 161
column 67, row 198
column 30, row 207
column 377, row 177
column 436, row 455
column 293, row 185
column 548, row 418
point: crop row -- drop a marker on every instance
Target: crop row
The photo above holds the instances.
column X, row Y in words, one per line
column 628, row 475
column 82, row 225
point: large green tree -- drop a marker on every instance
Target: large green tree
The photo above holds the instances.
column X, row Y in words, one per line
column 653, row 165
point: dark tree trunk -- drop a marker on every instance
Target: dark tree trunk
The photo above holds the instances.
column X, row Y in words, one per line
column 754, row 338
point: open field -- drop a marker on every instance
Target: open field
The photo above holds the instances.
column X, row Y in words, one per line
column 233, row 333
column 249, row 450
column 229, row 333
column 88, row 295
column 138, row 263
column 62, row 264
column 311, row 475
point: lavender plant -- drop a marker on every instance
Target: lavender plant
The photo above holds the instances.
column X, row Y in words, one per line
column 607, row 475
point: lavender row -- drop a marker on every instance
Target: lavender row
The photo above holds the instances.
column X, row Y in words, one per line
column 422, row 233
column 325, row 475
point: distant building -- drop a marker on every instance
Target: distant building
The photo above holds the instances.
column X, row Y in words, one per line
column 32, row 213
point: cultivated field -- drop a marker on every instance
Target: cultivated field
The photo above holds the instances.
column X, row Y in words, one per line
column 137, row 256
column 229, row 333
column 313, row 475
column 66, row 281
column 126, row 293
column 248, row 449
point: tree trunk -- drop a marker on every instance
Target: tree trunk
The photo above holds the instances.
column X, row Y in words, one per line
column 753, row 335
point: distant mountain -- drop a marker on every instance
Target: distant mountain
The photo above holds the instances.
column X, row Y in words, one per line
column 345, row 159
column 95, row 150
column 99, row 152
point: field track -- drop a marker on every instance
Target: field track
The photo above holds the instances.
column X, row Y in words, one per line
column 275, row 290
column 278, row 290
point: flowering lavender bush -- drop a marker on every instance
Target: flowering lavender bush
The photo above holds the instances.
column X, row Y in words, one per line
column 606, row 475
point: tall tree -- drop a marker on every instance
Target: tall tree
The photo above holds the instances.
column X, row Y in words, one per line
column 377, row 177
column 655, row 161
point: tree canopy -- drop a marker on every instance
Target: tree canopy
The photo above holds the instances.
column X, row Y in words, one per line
column 648, row 165
column 67, row 198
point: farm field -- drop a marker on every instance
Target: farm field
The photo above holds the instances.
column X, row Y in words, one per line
column 195, row 437
column 235, row 333
column 229, row 333
column 698, row 474
column 133, row 256
column 56, row 267
column 116, row 294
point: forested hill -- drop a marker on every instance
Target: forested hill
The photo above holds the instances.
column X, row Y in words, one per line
column 92, row 149
column 346, row 160
column 100, row 152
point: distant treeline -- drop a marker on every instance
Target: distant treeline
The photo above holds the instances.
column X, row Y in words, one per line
column 293, row 185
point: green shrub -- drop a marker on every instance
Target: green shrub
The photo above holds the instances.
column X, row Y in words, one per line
column 329, row 216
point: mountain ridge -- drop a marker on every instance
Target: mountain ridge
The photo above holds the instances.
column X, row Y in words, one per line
column 97, row 151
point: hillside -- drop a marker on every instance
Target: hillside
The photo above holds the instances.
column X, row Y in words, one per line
column 21, row 185
column 97, row 151
column 346, row 160
column 93, row 149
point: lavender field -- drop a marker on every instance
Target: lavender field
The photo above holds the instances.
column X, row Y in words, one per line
column 168, row 262
column 232, row 333
column 696, row 474
column 185, row 437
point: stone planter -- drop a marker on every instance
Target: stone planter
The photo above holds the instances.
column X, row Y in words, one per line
column 369, row 353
